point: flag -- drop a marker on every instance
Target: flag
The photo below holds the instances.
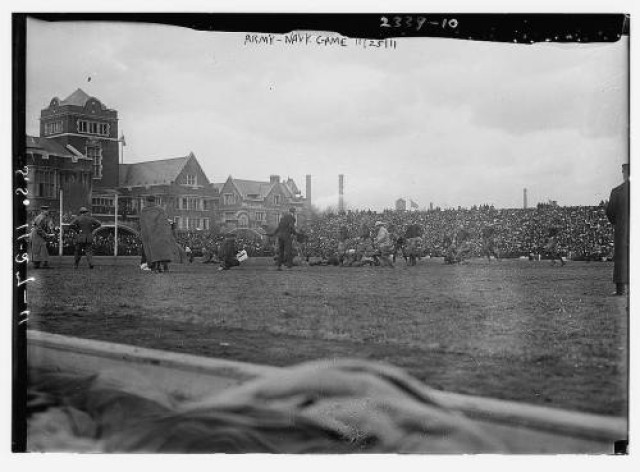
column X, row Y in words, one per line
column 124, row 143
column 413, row 204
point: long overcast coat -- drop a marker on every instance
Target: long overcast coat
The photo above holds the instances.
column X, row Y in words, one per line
column 39, row 251
column 618, row 214
column 156, row 235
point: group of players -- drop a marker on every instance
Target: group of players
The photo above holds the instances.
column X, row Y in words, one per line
column 379, row 248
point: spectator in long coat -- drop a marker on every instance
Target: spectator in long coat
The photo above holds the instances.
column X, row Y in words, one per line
column 618, row 214
column 156, row 235
column 39, row 233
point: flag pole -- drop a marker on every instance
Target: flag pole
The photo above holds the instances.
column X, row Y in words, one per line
column 115, row 229
column 60, row 243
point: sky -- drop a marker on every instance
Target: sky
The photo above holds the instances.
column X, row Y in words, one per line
column 442, row 121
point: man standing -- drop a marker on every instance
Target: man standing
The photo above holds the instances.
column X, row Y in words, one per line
column 551, row 248
column 39, row 233
column 488, row 243
column 618, row 214
column 285, row 232
column 383, row 243
column 157, row 239
column 84, row 225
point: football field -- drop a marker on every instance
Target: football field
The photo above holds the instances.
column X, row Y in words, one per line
column 513, row 329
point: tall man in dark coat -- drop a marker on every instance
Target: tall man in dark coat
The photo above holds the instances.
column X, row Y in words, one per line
column 285, row 232
column 84, row 225
column 40, row 231
column 157, row 239
column 618, row 214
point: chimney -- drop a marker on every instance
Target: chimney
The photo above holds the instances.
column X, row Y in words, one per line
column 341, row 192
column 524, row 198
column 308, row 191
column 274, row 179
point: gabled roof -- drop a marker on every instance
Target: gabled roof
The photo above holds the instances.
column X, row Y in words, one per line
column 252, row 187
column 78, row 98
column 291, row 185
column 48, row 146
column 162, row 171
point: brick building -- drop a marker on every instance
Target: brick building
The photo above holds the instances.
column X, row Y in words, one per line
column 85, row 125
column 259, row 204
column 52, row 167
column 179, row 185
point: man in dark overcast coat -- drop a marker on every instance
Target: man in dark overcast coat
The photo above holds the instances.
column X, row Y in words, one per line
column 618, row 214
column 157, row 239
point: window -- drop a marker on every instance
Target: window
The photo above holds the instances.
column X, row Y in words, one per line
column 95, row 154
column 93, row 127
column 46, row 181
column 260, row 216
column 243, row 221
column 53, row 128
column 276, row 199
column 205, row 223
column 229, row 199
column 190, row 179
column 229, row 216
column 194, row 223
column 190, row 203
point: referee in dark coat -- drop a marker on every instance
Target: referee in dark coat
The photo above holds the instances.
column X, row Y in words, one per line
column 618, row 214
column 84, row 225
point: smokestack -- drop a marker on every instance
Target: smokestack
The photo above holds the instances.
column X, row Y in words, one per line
column 341, row 192
column 524, row 198
column 430, row 206
column 308, row 192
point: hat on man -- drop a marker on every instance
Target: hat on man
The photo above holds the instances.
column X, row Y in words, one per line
column 292, row 209
column 83, row 210
column 379, row 223
column 44, row 207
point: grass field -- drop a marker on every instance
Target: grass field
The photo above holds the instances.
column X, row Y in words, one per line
column 516, row 330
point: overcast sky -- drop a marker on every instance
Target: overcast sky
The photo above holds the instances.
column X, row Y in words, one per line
column 445, row 121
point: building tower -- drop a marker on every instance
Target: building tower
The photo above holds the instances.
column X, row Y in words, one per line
column 308, row 192
column 524, row 198
column 90, row 128
column 341, row 192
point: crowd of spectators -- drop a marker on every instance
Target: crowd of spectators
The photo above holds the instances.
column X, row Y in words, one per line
column 584, row 232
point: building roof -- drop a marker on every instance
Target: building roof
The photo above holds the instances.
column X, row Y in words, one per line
column 162, row 171
column 48, row 146
column 78, row 98
column 253, row 187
